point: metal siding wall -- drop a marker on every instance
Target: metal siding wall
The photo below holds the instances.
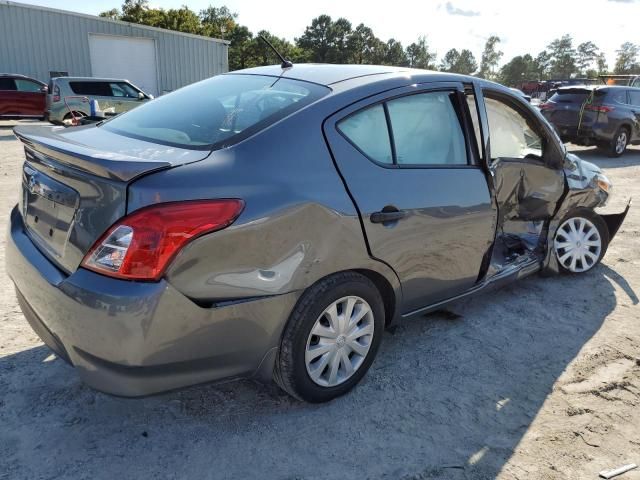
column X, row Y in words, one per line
column 36, row 41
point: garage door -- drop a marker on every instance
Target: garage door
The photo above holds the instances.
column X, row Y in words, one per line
column 133, row 58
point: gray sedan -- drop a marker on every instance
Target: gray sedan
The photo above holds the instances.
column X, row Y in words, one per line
column 272, row 222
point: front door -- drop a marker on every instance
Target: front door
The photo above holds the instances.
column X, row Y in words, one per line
column 412, row 168
column 31, row 97
column 525, row 164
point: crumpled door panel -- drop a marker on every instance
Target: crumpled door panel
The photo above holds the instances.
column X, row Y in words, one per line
column 526, row 190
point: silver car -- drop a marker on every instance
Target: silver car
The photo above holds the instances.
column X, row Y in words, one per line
column 69, row 96
column 271, row 222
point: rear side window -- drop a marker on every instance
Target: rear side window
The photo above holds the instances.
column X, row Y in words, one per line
column 634, row 97
column 368, row 131
column 7, row 84
column 216, row 112
column 419, row 130
column 616, row 96
column 426, row 130
column 96, row 89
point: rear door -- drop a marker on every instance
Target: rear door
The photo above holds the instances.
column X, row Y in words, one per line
column 410, row 162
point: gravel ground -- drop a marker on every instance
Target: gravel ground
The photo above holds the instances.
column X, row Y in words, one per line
column 538, row 380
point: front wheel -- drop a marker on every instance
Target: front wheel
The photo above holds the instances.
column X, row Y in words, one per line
column 331, row 338
column 581, row 241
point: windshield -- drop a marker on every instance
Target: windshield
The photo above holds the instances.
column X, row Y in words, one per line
column 216, row 112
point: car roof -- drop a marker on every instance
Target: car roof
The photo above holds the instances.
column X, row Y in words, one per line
column 91, row 79
column 322, row 73
column 19, row 75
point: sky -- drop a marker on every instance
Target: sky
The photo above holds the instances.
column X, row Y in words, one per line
column 523, row 26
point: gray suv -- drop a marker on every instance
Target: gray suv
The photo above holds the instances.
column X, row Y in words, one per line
column 270, row 222
column 112, row 94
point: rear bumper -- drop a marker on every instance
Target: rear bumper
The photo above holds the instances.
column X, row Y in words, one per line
column 133, row 338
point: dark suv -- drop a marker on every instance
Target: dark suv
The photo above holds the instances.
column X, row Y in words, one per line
column 606, row 116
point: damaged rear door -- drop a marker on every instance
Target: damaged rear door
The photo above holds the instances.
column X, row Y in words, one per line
column 526, row 165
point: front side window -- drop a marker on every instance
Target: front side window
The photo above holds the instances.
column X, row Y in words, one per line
column 122, row 89
column 216, row 112
column 634, row 97
column 511, row 134
column 27, row 85
column 421, row 130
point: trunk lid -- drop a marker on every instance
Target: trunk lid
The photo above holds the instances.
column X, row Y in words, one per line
column 74, row 184
column 567, row 103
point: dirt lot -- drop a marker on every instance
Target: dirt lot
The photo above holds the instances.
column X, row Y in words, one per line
column 538, row 380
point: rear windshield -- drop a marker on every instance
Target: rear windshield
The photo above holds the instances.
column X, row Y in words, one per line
column 570, row 96
column 216, row 112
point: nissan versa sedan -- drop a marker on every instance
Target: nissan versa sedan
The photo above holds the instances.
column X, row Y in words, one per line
column 271, row 222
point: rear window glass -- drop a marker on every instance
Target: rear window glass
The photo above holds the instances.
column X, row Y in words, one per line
column 99, row 89
column 616, row 96
column 570, row 96
column 216, row 112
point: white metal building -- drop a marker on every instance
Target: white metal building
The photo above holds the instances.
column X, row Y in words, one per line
column 36, row 41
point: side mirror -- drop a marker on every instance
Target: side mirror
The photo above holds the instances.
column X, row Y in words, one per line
column 141, row 96
column 44, row 89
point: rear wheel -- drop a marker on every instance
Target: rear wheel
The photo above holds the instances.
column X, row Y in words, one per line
column 331, row 338
column 581, row 241
column 619, row 143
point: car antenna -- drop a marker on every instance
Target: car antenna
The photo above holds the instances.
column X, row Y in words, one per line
column 285, row 63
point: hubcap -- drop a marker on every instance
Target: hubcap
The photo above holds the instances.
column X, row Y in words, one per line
column 578, row 244
column 339, row 341
column 621, row 142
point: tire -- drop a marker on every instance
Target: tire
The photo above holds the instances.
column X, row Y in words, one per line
column 587, row 244
column 619, row 143
column 293, row 370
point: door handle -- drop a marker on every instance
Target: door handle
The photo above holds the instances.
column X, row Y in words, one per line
column 387, row 216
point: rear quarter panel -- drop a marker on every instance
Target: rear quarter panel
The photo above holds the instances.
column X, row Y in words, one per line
column 298, row 225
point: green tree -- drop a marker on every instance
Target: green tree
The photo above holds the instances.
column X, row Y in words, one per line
column 418, row 55
column 542, row 65
column 459, row 62
column 627, row 59
column 490, row 58
column 563, row 57
column 339, row 34
column 218, row 22
column 113, row 14
column 586, row 55
column 601, row 64
column 518, row 69
column 240, row 49
column 180, row 20
column 394, row 54
column 316, row 39
column 361, row 45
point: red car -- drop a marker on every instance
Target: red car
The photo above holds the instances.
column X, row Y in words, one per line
column 21, row 97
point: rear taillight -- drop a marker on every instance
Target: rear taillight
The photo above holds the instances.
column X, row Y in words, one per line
column 56, row 94
column 141, row 245
column 598, row 108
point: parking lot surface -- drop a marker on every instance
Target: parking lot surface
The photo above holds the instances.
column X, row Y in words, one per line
column 538, row 380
